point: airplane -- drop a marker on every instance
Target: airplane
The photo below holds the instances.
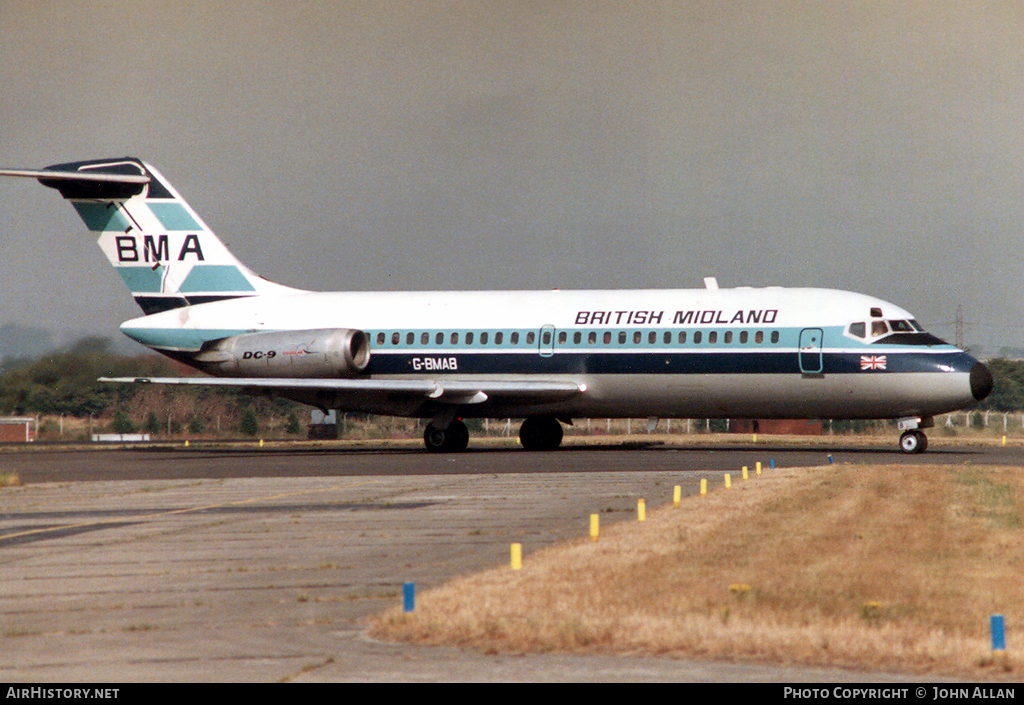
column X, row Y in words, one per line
column 543, row 356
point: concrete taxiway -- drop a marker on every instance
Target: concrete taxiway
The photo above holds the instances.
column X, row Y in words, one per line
column 210, row 565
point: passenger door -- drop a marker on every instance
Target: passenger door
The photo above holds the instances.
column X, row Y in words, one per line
column 811, row 362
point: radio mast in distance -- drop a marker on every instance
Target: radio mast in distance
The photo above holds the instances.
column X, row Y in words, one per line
column 960, row 326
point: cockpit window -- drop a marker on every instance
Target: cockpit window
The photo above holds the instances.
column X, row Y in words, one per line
column 900, row 332
column 878, row 329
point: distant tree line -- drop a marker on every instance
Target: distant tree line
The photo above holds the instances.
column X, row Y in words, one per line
column 1008, row 392
column 64, row 383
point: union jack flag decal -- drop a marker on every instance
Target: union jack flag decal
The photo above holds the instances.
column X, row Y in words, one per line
column 872, row 362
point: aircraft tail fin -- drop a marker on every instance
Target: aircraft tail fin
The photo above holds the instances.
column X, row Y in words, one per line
column 164, row 252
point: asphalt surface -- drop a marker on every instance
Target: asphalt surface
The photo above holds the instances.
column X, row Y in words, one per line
column 249, row 460
column 259, row 565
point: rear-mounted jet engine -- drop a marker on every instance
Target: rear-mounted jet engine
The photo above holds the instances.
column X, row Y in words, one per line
column 328, row 352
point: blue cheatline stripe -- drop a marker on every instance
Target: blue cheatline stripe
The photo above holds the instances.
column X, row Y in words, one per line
column 101, row 217
column 788, row 338
column 697, row 363
column 173, row 216
column 141, row 279
column 215, row 277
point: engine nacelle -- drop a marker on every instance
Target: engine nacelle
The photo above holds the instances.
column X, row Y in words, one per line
column 324, row 352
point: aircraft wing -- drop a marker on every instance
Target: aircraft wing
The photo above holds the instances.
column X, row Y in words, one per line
column 462, row 391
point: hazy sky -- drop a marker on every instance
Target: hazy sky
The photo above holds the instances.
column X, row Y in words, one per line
column 870, row 146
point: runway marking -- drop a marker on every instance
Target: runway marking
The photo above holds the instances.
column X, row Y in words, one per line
column 171, row 512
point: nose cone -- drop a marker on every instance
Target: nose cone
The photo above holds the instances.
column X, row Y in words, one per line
column 981, row 381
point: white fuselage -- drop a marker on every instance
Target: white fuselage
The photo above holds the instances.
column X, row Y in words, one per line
column 755, row 353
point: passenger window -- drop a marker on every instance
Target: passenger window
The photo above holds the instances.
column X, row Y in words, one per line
column 743, row 337
column 439, row 339
column 652, row 337
column 697, row 338
column 546, row 337
column 879, row 328
column 728, row 337
column 483, row 338
column 455, row 338
column 667, row 338
column 577, row 337
column 592, row 338
column 713, row 337
column 514, row 338
column 410, row 338
column 859, row 329
column 622, row 337
column 531, row 337
column 469, row 338
column 562, row 337
column 498, row 337
column 607, row 337
column 637, row 337
column 775, row 336
column 682, row 337
column 759, row 337
column 396, row 338
column 424, row 338
column 380, row 338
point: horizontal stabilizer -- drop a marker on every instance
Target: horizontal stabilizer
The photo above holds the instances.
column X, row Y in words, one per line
column 78, row 176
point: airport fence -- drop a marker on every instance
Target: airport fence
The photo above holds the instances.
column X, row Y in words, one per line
column 362, row 426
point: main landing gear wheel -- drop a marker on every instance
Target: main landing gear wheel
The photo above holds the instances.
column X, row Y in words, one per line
column 540, row 433
column 913, row 442
column 453, row 439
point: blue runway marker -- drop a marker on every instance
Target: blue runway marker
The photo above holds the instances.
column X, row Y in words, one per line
column 409, row 597
column 771, row 463
column 998, row 633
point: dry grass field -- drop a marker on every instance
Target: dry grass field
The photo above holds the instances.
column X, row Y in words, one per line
column 893, row 568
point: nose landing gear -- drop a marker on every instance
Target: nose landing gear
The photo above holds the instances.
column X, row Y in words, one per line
column 913, row 442
column 913, row 439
